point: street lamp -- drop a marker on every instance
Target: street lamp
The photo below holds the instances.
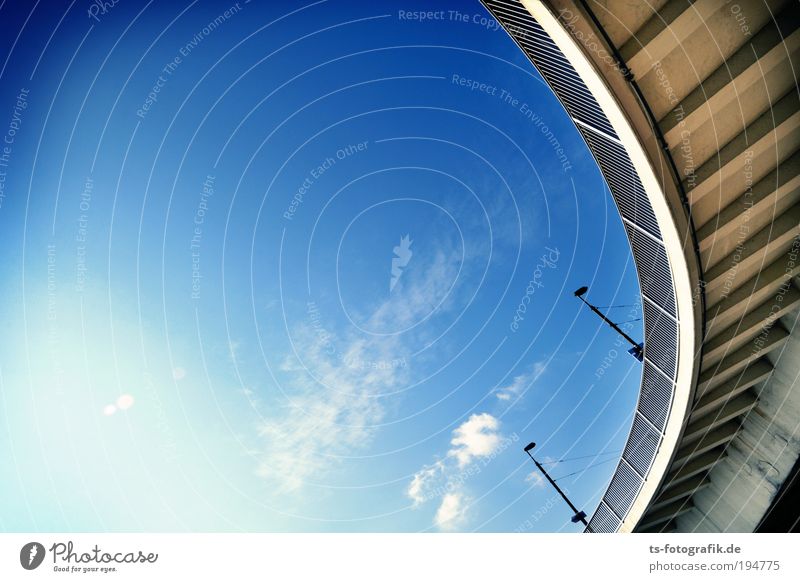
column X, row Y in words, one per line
column 579, row 515
column 637, row 351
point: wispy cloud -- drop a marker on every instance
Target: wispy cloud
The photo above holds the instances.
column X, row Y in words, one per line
column 420, row 291
column 333, row 380
column 234, row 352
column 520, row 383
column 332, row 406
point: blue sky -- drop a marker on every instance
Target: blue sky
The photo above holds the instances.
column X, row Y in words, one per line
column 299, row 267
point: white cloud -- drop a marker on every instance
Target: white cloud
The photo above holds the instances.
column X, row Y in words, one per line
column 536, row 480
column 452, row 511
column 421, row 483
column 477, row 437
column 521, row 382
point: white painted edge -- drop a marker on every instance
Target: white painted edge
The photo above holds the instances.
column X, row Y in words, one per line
column 688, row 343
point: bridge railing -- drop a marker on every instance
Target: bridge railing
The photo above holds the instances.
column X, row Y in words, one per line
column 661, row 325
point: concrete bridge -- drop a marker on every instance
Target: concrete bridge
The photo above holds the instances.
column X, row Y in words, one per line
column 692, row 110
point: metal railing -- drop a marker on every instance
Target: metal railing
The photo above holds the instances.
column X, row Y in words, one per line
column 661, row 326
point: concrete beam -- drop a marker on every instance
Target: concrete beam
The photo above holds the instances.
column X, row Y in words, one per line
column 744, row 330
column 734, row 362
column 760, row 216
column 651, row 28
column 653, row 518
column 673, row 25
column 686, row 65
column 722, row 174
column 753, row 210
column 681, row 490
column 738, row 105
column 737, row 406
column 622, row 18
column 696, row 466
column 692, row 110
column 758, row 250
column 717, row 437
column 710, row 401
column 726, row 310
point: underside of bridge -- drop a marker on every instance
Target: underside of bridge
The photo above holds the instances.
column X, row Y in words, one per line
column 709, row 88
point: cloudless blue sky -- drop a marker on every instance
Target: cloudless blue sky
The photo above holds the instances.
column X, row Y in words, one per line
column 204, row 328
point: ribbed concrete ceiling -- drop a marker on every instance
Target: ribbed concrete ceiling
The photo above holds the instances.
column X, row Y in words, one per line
column 721, row 80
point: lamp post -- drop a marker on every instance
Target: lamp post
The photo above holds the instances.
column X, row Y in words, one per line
column 637, row 350
column 579, row 515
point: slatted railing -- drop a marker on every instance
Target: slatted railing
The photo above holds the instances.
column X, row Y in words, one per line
column 655, row 277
